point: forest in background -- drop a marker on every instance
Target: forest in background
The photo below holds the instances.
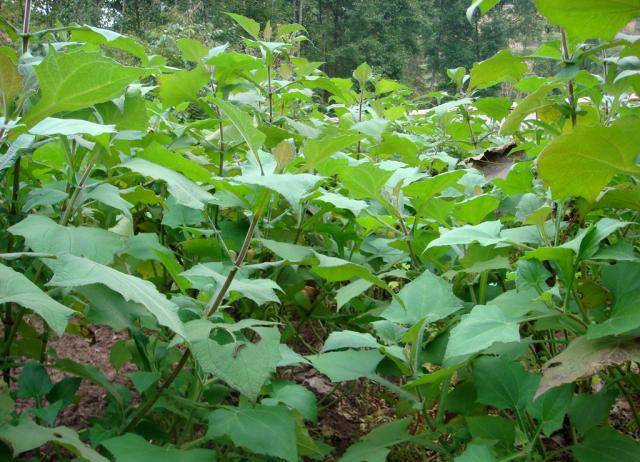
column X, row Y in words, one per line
column 414, row 41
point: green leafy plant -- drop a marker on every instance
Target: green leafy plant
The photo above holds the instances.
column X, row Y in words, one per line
column 470, row 257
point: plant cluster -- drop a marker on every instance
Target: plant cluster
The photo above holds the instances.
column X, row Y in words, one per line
column 473, row 256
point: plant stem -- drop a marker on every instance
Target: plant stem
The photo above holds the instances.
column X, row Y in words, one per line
column 358, row 150
column 484, row 283
column 15, row 188
column 270, row 94
column 572, row 96
column 211, row 308
column 629, row 398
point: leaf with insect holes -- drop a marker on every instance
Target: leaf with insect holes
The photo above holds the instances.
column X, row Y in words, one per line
column 26, row 435
column 243, row 365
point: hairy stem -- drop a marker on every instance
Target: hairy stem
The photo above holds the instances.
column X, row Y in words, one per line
column 570, row 89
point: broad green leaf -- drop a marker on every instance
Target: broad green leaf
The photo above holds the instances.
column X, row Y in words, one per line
column 493, row 428
column 434, row 185
column 476, row 452
column 248, row 24
column 365, row 181
column 176, row 215
column 362, row 74
column 584, row 358
column 316, row 151
column 9, row 158
column 89, row 373
column 293, row 253
column 27, row 435
column 74, row 271
column 16, row 288
column 487, row 233
column 372, row 127
column 109, row 195
column 532, row 103
column 243, row 365
column 375, row 446
column 71, row 81
column 503, row 384
column 594, row 155
column 478, row 330
column 588, row 411
column 550, row 408
column 10, row 80
column 494, row 107
column 134, row 448
column 143, row 380
column 185, row 191
column 44, row 235
column 158, row 154
column 109, row 38
column 108, row 307
column 341, row 202
column 623, row 281
column 475, row 209
column 342, row 366
column 68, row 127
column 293, row 187
column 182, row 85
column 192, row 50
column 605, row 444
column 244, row 124
column 349, row 339
column 266, row 430
column 297, row 397
column 503, row 67
column 584, row 19
column 335, row 269
column 427, row 297
column 43, row 196
column 346, row 293
column 519, row 303
column 34, row 382
column 260, row 291
column 442, row 109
